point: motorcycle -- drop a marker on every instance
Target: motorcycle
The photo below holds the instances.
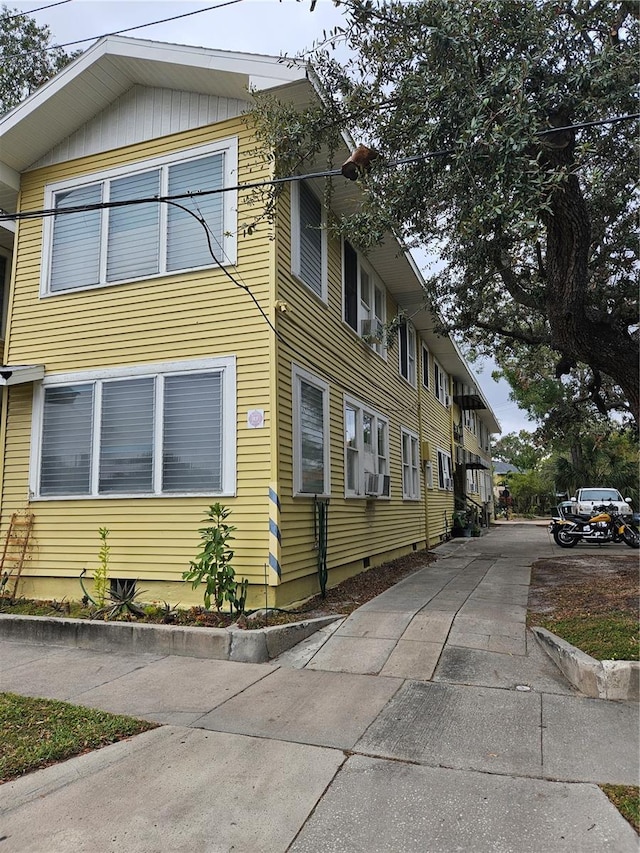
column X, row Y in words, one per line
column 607, row 525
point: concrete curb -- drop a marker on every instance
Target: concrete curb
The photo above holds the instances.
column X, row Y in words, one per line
column 139, row 638
column 606, row 679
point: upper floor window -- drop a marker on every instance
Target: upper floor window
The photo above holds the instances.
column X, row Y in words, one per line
column 441, row 384
column 310, row 434
column 149, row 430
column 425, row 366
column 364, row 299
column 308, row 239
column 366, row 440
column 407, row 344
column 96, row 244
column 470, row 421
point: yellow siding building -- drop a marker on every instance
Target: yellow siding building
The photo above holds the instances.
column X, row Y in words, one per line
column 168, row 348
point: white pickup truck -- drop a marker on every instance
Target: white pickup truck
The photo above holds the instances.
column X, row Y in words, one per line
column 585, row 501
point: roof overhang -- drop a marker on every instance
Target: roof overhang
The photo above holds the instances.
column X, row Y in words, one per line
column 18, row 374
column 107, row 70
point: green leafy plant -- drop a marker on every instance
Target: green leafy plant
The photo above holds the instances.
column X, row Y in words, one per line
column 120, row 601
column 213, row 566
column 460, row 519
column 101, row 575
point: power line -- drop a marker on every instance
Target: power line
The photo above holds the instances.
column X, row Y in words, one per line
column 130, row 29
column 39, row 9
column 329, row 173
column 83, row 208
column 238, row 282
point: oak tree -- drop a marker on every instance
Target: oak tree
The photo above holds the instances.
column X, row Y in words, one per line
column 506, row 137
column 27, row 59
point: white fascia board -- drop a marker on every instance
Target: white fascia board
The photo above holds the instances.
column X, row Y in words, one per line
column 17, row 374
column 243, row 64
column 51, row 87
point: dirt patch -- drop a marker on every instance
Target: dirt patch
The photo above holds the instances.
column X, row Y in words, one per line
column 356, row 591
column 341, row 599
column 585, row 583
column 589, row 600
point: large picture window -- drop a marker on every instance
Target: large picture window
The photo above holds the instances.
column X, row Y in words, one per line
column 142, row 431
column 96, row 244
column 308, row 239
column 366, row 439
column 311, row 434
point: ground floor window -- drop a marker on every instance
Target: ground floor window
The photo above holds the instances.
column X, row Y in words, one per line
column 143, row 431
column 366, row 439
column 410, row 465
column 310, row 434
column 445, row 471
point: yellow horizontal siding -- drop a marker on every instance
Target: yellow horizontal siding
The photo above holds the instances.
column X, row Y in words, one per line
column 316, row 339
column 173, row 317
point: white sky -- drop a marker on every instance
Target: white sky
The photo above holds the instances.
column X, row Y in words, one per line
column 258, row 26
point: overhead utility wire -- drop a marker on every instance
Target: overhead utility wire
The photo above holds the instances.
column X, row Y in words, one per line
column 137, row 27
column 329, row 173
column 39, row 9
column 237, row 280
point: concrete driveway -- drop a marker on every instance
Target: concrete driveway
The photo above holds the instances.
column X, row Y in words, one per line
column 427, row 721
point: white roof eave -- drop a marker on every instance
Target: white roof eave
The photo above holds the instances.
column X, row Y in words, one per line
column 18, row 374
column 112, row 66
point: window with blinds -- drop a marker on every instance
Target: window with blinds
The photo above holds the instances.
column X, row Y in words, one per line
column 93, row 245
column 308, row 239
column 146, row 435
column 311, row 434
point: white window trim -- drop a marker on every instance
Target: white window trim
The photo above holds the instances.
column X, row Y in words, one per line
column 412, row 375
column 446, row 456
column 437, row 389
column 376, row 284
column 229, row 147
column 295, row 243
column 406, row 494
column 361, row 409
column 298, row 373
column 225, row 365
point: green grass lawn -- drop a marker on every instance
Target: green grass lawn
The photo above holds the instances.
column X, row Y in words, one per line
column 626, row 798
column 612, row 636
column 39, row 732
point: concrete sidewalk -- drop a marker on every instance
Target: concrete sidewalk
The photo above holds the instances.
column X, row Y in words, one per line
column 429, row 720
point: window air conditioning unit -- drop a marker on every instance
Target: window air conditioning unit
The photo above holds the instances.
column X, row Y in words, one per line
column 448, row 484
column 447, row 400
column 376, row 485
column 372, row 330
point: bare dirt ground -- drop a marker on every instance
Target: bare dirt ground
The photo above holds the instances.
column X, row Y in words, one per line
column 356, row 591
column 590, row 582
